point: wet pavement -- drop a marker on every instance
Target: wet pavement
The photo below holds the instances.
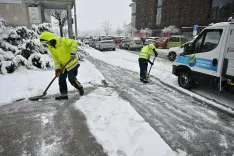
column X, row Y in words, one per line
column 46, row 128
column 184, row 122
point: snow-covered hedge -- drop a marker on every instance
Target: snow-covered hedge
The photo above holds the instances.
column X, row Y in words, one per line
column 21, row 46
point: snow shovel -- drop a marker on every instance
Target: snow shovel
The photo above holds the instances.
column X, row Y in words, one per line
column 35, row 98
column 150, row 68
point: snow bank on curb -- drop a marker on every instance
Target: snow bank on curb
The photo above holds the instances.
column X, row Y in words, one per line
column 161, row 70
column 118, row 127
column 26, row 83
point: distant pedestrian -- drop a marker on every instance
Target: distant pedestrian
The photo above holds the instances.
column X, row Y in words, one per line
column 144, row 58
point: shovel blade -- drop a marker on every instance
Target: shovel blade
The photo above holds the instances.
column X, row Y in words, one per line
column 35, row 98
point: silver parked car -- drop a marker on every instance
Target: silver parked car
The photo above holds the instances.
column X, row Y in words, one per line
column 105, row 43
column 136, row 44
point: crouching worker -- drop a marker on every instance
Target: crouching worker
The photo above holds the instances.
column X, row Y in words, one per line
column 63, row 50
column 144, row 58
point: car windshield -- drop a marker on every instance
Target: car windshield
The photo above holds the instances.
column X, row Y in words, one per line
column 106, row 39
column 138, row 41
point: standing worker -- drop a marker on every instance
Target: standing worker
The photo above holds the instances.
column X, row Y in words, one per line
column 63, row 50
column 144, row 58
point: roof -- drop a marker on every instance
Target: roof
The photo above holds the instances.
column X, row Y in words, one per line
column 56, row 4
column 221, row 24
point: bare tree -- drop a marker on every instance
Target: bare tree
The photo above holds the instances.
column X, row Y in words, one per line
column 119, row 31
column 131, row 30
column 107, row 27
column 61, row 16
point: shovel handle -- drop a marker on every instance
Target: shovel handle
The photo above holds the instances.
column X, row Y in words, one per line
column 151, row 66
column 44, row 93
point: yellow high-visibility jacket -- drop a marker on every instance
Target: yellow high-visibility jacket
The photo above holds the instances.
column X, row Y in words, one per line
column 62, row 51
column 147, row 51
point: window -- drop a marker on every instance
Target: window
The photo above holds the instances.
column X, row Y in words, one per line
column 174, row 39
column 159, row 3
column 159, row 12
column 207, row 41
column 221, row 9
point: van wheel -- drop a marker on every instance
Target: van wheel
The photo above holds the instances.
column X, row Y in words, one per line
column 172, row 56
column 185, row 81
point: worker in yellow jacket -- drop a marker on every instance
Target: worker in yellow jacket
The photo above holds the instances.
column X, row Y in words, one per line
column 63, row 50
column 144, row 58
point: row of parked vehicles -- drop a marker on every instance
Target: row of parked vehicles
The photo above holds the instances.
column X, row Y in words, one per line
column 101, row 43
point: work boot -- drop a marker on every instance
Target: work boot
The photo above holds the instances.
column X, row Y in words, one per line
column 141, row 79
column 62, row 97
column 81, row 90
column 145, row 81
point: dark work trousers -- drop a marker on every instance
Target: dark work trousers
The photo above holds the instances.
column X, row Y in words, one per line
column 72, row 79
column 143, row 63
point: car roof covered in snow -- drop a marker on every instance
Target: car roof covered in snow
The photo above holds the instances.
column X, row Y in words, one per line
column 221, row 24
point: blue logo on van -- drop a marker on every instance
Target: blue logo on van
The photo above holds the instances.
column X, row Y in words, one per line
column 192, row 61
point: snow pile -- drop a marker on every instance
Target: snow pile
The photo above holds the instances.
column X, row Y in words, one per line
column 82, row 50
column 21, row 46
column 24, row 83
column 118, row 127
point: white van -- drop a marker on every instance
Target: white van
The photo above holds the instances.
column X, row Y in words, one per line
column 209, row 59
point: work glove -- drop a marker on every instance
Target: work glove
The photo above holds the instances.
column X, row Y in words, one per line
column 150, row 62
column 57, row 72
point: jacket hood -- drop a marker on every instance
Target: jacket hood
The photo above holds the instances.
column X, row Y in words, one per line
column 46, row 36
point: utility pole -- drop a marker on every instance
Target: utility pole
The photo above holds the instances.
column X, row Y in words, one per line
column 75, row 19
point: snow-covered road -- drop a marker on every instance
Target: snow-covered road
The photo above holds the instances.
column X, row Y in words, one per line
column 184, row 122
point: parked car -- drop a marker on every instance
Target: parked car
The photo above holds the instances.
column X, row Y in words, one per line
column 105, row 43
column 136, row 44
column 92, row 42
column 153, row 38
column 124, row 44
column 176, row 41
column 161, row 42
column 118, row 40
column 149, row 41
column 86, row 40
column 176, row 51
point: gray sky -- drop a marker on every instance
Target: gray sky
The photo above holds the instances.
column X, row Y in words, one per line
column 92, row 13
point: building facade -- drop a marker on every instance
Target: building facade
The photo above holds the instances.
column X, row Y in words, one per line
column 28, row 12
column 133, row 16
column 157, row 14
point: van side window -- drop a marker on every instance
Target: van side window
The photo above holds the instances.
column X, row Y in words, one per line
column 207, row 41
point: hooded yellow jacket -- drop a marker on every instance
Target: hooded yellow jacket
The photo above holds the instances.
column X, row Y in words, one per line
column 62, row 51
column 147, row 51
